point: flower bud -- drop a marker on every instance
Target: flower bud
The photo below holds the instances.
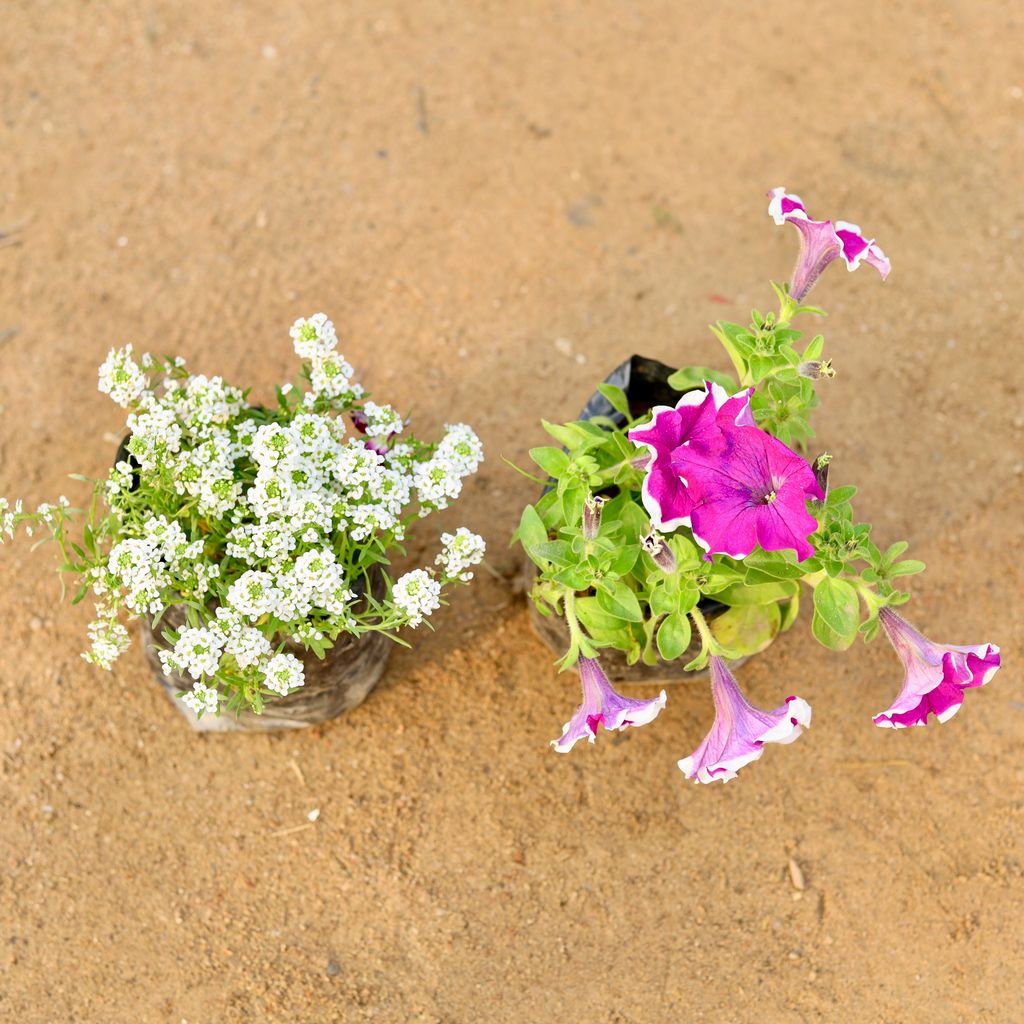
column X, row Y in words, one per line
column 815, row 369
column 821, row 464
column 661, row 554
column 592, row 516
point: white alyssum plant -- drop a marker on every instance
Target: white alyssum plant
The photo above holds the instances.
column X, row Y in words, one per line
column 268, row 524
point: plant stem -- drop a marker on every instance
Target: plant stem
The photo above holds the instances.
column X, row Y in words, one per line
column 704, row 630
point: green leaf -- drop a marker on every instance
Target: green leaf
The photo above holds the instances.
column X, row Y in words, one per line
column 616, row 397
column 747, row 629
column 690, row 378
column 840, row 496
column 557, row 551
column 579, row 434
column 814, row 347
column 532, row 532
column 828, row 637
column 595, row 618
column 573, row 500
column 673, row 636
column 790, row 612
column 907, row 567
column 773, row 564
column 837, row 607
column 617, row 599
column 760, row 593
column 553, row 461
column 625, row 559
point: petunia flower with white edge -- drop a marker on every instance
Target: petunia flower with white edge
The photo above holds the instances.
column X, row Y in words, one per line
column 602, row 705
column 693, row 419
column 740, row 730
column 821, row 242
column 936, row 674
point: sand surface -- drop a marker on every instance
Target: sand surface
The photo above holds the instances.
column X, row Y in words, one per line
column 497, row 202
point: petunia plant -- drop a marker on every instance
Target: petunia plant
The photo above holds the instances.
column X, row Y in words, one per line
column 702, row 525
column 272, row 525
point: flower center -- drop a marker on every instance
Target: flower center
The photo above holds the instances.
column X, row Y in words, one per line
column 768, row 498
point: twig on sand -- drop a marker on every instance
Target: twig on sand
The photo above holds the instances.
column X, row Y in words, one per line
column 298, row 771
column 291, row 831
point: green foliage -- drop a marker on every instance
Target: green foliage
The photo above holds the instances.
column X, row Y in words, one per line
column 621, row 599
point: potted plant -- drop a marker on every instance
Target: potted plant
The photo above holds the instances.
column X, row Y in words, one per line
column 253, row 543
column 682, row 522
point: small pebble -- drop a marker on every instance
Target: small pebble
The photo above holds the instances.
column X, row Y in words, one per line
column 796, row 876
column 314, row 814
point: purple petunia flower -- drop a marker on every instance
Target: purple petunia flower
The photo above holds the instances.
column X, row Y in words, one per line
column 937, row 674
column 603, row 706
column 821, row 242
column 748, row 490
column 695, row 418
column 740, row 730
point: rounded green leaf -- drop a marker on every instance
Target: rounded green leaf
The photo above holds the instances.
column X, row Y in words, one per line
column 673, row 636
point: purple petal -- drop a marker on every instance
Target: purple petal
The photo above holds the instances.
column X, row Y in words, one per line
column 782, row 205
column 664, row 493
column 936, row 674
column 602, row 705
column 749, row 490
column 740, row 730
column 857, row 249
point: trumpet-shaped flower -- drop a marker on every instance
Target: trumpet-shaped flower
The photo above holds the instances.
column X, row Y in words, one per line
column 602, row 705
column 694, row 420
column 740, row 730
column 821, row 242
column 936, row 674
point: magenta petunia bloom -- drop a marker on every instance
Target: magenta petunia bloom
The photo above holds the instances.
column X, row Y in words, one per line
column 694, row 419
column 748, row 490
column 821, row 242
column 937, row 674
column 740, row 730
column 603, row 706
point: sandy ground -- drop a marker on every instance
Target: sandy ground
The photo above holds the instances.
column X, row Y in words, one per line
column 496, row 203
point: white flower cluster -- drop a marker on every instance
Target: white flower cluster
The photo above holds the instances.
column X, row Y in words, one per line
column 108, row 639
column 330, row 376
column 202, row 699
column 460, row 551
column 283, row 673
column 439, row 480
column 11, row 517
column 121, row 377
column 142, row 568
column 416, row 595
column 382, row 420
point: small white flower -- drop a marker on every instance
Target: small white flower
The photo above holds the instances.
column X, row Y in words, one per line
column 331, row 377
column 314, row 336
column 253, row 594
column 108, row 639
column 121, row 378
column 202, row 699
column 461, row 448
column 416, row 595
column 462, row 549
column 283, row 673
column 382, row 420
column 197, row 651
